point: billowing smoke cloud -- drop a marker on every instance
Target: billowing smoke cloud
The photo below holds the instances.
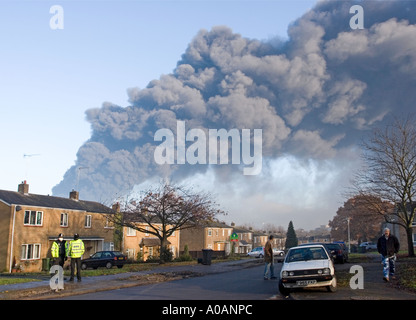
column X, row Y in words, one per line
column 313, row 96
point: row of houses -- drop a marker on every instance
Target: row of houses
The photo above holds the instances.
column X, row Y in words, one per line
column 29, row 223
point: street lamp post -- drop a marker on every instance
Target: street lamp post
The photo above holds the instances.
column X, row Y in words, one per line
column 349, row 238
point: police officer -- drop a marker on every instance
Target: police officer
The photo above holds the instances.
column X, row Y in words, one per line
column 75, row 251
column 59, row 251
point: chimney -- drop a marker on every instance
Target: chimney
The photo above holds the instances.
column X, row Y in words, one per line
column 23, row 187
column 74, row 195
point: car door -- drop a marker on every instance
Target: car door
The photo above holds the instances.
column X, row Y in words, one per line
column 107, row 257
column 95, row 259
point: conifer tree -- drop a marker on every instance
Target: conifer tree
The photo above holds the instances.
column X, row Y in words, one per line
column 291, row 239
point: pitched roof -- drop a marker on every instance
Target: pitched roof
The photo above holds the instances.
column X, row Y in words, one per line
column 18, row 198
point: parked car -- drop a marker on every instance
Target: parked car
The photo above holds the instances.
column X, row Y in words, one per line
column 278, row 253
column 106, row 259
column 257, row 252
column 368, row 246
column 344, row 249
column 334, row 249
column 307, row 266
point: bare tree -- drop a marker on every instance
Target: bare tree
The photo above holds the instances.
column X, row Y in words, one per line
column 390, row 172
column 166, row 209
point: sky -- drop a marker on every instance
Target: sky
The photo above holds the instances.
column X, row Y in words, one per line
column 80, row 102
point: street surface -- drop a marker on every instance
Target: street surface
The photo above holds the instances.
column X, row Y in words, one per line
column 243, row 284
column 248, row 284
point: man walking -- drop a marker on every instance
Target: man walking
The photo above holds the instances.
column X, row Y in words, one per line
column 388, row 245
column 75, row 251
column 268, row 259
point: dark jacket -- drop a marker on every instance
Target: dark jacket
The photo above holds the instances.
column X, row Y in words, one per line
column 268, row 252
column 388, row 247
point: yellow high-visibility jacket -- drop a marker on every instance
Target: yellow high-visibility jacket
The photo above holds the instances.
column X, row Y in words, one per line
column 55, row 249
column 76, row 248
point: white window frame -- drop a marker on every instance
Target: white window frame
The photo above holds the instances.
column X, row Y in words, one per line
column 131, row 253
column 108, row 223
column 36, row 218
column 64, row 219
column 33, row 254
column 131, row 232
column 88, row 221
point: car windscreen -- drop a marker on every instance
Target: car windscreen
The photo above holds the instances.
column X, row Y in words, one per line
column 304, row 254
column 117, row 253
column 333, row 246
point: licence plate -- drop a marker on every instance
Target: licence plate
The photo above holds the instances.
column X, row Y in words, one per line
column 305, row 282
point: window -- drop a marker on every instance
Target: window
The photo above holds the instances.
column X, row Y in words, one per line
column 109, row 223
column 30, row 251
column 130, row 253
column 64, row 220
column 209, row 232
column 108, row 246
column 33, row 218
column 131, row 232
column 88, row 219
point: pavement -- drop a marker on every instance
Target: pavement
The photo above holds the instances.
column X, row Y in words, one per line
column 374, row 287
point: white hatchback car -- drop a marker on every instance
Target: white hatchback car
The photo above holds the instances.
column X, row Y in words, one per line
column 305, row 267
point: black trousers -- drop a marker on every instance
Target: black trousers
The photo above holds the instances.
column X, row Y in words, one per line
column 60, row 261
column 75, row 262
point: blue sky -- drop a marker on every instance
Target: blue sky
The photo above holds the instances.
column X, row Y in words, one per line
column 49, row 78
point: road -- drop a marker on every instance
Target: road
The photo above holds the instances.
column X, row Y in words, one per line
column 243, row 284
column 237, row 281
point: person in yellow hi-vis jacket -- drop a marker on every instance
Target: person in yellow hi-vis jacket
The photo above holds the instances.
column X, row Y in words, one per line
column 59, row 251
column 75, row 251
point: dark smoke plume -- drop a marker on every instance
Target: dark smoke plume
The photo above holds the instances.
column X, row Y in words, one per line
column 314, row 96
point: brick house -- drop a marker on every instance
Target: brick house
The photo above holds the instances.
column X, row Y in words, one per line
column 141, row 246
column 29, row 223
column 245, row 240
column 211, row 235
column 259, row 239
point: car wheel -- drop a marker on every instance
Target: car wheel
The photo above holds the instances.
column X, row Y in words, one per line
column 281, row 254
column 260, row 256
column 284, row 291
column 83, row 266
column 333, row 286
column 121, row 266
column 108, row 265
